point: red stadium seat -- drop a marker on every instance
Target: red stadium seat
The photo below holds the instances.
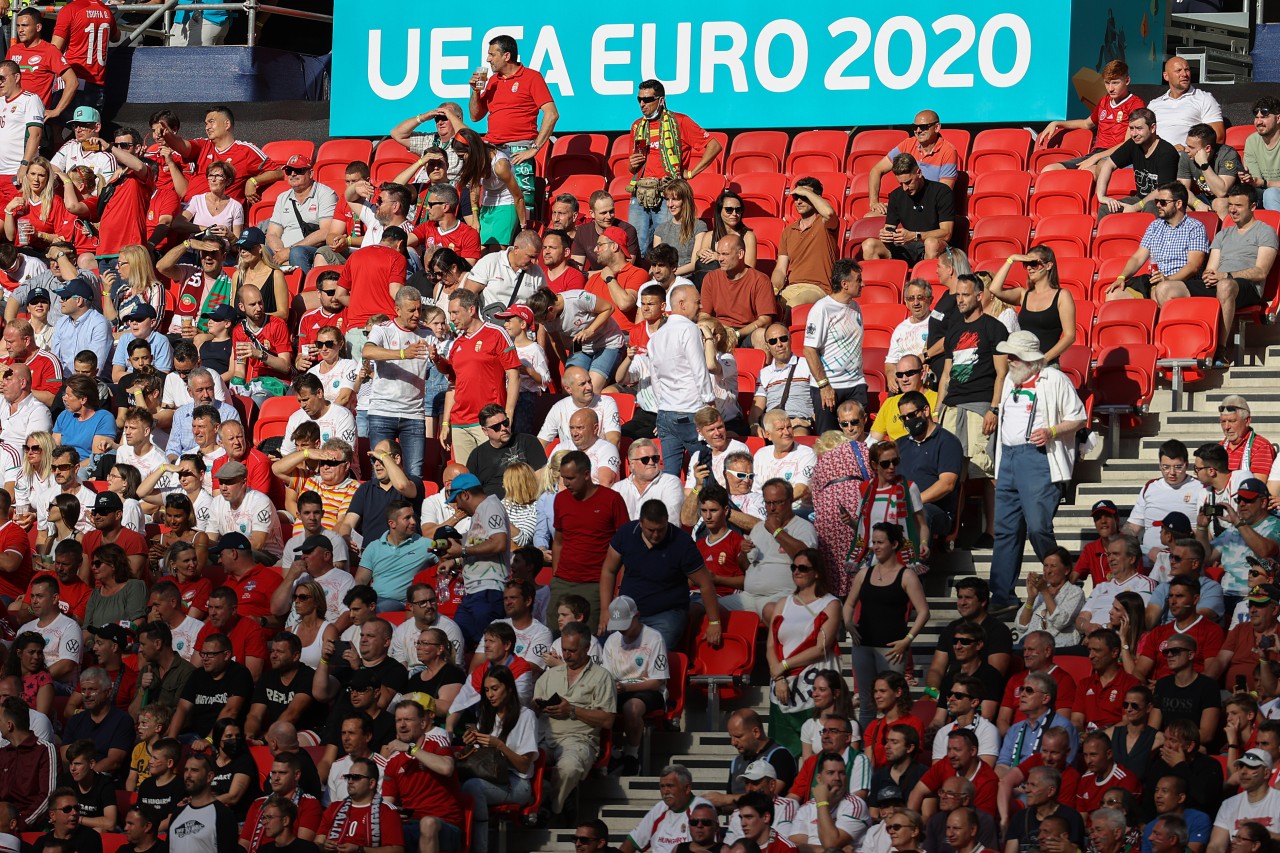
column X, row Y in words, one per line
column 1122, row 184
column 389, row 160
column 1119, row 234
column 578, row 154
column 999, row 149
column 861, row 229
column 757, row 151
column 870, row 146
column 282, row 149
column 722, row 670
column 1209, row 220
column 768, row 231
column 1074, row 362
column 1000, row 194
column 761, row 192
column 835, row 186
column 706, row 187
column 1062, row 191
column 677, row 682
column 1065, row 145
column 1068, row 234
column 1086, row 313
column 1000, row 236
column 626, row 405
column 750, row 362
column 1076, row 276
column 857, row 204
column 1124, row 321
column 960, row 139
column 579, row 186
column 344, row 151
column 1123, row 384
column 1108, row 270
column 113, row 841
column 313, row 277
column 885, row 271
column 1186, row 335
column 1237, row 135
column 1016, row 277
column 817, row 151
column 879, row 321
column 508, row 813
column 619, row 156
column 583, row 143
column 273, row 416
column 927, row 270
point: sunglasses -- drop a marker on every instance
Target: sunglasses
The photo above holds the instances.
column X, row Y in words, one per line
column 330, row 463
column 437, row 203
column 919, row 127
column 731, row 210
column 324, row 292
column 954, row 695
column 648, row 100
column 742, row 475
column 889, row 463
column 1225, row 409
column 327, row 344
column 703, row 821
column 1131, row 706
column 584, row 839
column 502, row 424
column 354, row 777
column 897, row 827
column 1161, row 202
column 910, row 416
column 301, row 596
column 780, row 339
column 63, row 466
column 964, row 641
column 648, row 460
column 801, row 567
column 1174, row 652
column 33, row 448
column 848, row 424
column 1261, row 112
column 289, row 171
column 1033, row 265
column 903, row 374
column 69, row 809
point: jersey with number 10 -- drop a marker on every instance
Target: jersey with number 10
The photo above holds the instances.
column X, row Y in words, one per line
column 89, row 27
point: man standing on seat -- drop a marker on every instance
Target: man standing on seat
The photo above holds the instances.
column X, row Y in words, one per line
column 663, row 145
column 833, row 346
column 512, row 98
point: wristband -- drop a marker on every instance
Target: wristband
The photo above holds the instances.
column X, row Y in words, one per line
column 784, row 664
column 1120, row 278
column 822, row 804
column 1008, row 260
column 1053, row 432
column 402, row 353
column 716, row 622
column 824, row 383
column 324, row 661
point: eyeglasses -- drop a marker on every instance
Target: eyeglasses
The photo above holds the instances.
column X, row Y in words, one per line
column 33, row 448
column 502, row 424
column 1174, row 467
column 1161, row 202
column 742, row 475
column 1174, row 651
column 354, row 777
column 780, row 339
column 903, row 374
column 324, row 292
column 954, row 695
column 1251, row 571
column 801, row 567
column 1222, row 410
column 648, row 460
column 584, row 839
column 302, row 596
column 62, row 466
column 919, row 127
column 1033, row 265
column 437, row 203
column 327, row 344
column 218, row 176
column 910, row 416
column 647, row 100
column 1027, row 690
column 424, row 602
column 703, row 821
column 432, row 165
column 889, row 463
column 964, row 641
column 1131, row 706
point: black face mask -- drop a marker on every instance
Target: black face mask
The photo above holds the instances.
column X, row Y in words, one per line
column 232, row 745
column 917, row 427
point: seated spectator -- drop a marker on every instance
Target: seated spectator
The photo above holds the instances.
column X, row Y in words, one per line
column 1155, row 164
column 1188, row 828
column 939, row 161
column 302, row 216
column 1184, row 557
column 891, row 696
column 561, row 274
column 756, row 814
column 919, row 216
column 1176, row 247
column 1239, row 657
column 424, row 609
column 283, row 693
column 1037, row 656
column 665, row 826
column 1240, row 257
column 968, row 660
column 26, row 666
column 65, row 828
column 506, row 725
column 1181, row 756
column 1186, row 694
column 648, row 481
column 719, row 545
column 1184, row 607
column 738, row 296
column 511, row 275
column 577, row 382
column 783, row 383
column 248, row 641
column 1101, row 695
column 775, row 543
column 957, row 795
column 961, row 760
column 584, row 433
column 847, row 819
column 1261, row 166
column 221, row 687
column 421, row 778
column 1109, row 122
column 29, row 765
column 1250, row 531
column 1124, row 557
column 836, row 737
column 367, row 656
column 162, row 790
column 636, row 656
column 1051, row 753
column 361, row 817
column 240, row 513
column 932, row 458
column 1102, row 773
column 808, row 248
column 1257, row 801
column 973, row 597
column 1042, row 787
column 909, row 376
column 95, row 792
column 786, row 459
column 61, row 634
column 283, row 782
column 586, row 238
column 1037, row 703
column 1246, row 450
column 1208, row 170
column 162, row 672
column 201, row 388
column 205, row 821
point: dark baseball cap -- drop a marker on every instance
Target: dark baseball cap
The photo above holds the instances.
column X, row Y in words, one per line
column 313, row 542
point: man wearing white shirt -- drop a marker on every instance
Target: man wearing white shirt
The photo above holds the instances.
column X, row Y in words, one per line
column 783, row 383
column 577, row 384
column 846, row 817
column 504, row 278
column 910, row 337
column 240, row 509
column 533, row 639
column 785, row 459
column 833, row 346
column 680, row 377
column 185, row 359
column 164, row 604
column 584, row 432
column 424, row 609
column 1124, row 558
column 1175, row 490
column 140, row 451
column 648, row 481
column 333, row 421
column 1183, row 106
column 715, row 438
column 63, row 641
column 21, row 413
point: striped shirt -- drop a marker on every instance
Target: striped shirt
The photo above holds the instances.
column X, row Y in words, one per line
column 337, row 499
column 1170, row 245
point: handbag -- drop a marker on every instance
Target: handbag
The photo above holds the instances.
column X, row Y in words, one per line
column 483, row 762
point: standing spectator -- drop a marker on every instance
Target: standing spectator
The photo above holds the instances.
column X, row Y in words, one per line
column 486, row 370
column 911, row 336
column 83, row 31
column 254, row 170
column 499, row 211
column 919, row 217
column 1184, row 105
column 1109, row 120
column 738, row 296
column 583, row 246
column 680, row 377
column 1037, row 440
column 809, row 247
column 404, row 350
column 87, row 125
column 1262, row 155
column 937, row 157
column 125, row 202
column 1155, row 163
column 512, row 98
column 972, row 386
column 833, row 346
column 372, row 276
column 42, row 63
column 262, row 347
column 664, row 144
column 301, row 218
column 587, row 516
column 20, row 139
column 484, row 555
column 205, row 824
column 439, row 137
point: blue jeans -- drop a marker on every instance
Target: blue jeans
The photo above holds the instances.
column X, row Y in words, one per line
column 1271, row 199
column 676, row 432
column 485, row 794
column 410, row 432
column 605, row 362
column 362, row 423
column 1026, row 502
column 390, row 605
column 670, row 624
column 303, row 257
column 524, row 422
column 646, row 222
column 475, row 613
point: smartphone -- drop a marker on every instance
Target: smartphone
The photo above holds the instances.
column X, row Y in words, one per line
column 553, row 699
column 340, row 648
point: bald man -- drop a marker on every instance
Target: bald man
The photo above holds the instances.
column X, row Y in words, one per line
column 46, row 372
column 584, row 432
column 1184, row 105
column 21, row 413
column 437, row 512
column 938, row 159
column 262, row 347
column 738, row 296
column 582, row 395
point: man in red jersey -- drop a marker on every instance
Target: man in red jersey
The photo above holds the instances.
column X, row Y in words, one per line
column 512, row 98
column 46, row 372
column 420, row 778
column 353, row 822
column 41, row 64
column 247, row 637
column 558, row 272
column 254, row 169
column 331, row 311
column 587, row 516
column 123, row 217
column 372, row 276
column 1100, row 697
column 261, row 340
column 444, row 228
column 106, row 515
column 486, row 370
column 83, row 31
column 20, row 131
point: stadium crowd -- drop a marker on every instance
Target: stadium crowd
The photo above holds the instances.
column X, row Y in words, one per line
column 365, row 563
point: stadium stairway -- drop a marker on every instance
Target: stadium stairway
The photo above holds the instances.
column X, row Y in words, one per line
column 702, row 744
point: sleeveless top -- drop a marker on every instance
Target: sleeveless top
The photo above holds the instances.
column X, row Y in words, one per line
column 1046, row 325
column 1139, row 758
column 216, row 355
column 882, row 619
column 494, row 192
column 311, row 654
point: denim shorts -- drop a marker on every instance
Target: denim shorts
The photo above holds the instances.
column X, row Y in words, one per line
column 604, row 362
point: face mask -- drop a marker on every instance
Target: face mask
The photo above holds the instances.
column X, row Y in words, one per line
column 232, row 745
column 916, row 428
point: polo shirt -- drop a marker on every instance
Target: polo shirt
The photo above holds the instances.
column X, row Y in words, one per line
column 253, row 590
column 161, row 351
column 317, row 206
column 941, row 162
column 1170, row 245
column 394, row 565
column 586, row 528
column 773, row 382
column 811, row 252
column 1103, row 706
column 248, row 639
column 503, row 284
column 1175, row 116
column 115, row 731
column 30, row 416
column 931, row 205
column 923, row 462
column 656, row 577
column 513, row 104
column 371, row 500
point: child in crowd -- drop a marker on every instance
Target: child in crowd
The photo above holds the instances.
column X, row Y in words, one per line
column 152, row 721
column 364, row 380
column 518, row 321
column 163, row 789
column 437, row 385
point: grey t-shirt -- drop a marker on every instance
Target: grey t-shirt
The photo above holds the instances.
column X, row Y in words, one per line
column 579, row 313
column 319, row 204
column 1226, row 163
column 1240, row 250
column 669, row 232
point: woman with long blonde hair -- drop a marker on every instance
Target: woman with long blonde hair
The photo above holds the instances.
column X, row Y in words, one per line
column 521, row 487
column 684, row 230
column 718, row 345
column 545, row 504
column 37, row 472
column 133, row 282
column 257, row 267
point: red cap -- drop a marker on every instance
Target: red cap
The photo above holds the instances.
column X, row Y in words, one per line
column 617, row 235
column 299, row 161
column 524, row 312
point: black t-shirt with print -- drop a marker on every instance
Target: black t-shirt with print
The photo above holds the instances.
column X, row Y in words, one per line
column 972, row 349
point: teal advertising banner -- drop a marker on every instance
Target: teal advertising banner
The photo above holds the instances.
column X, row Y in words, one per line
column 747, row 64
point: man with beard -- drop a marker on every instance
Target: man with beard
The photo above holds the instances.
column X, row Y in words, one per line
column 205, row 824
column 1039, row 415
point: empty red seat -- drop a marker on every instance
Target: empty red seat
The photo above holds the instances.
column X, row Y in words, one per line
column 580, row 187
column 1237, row 135
column 390, row 158
column 884, row 271
column 757, row 151
column 1062, row 191
column 1000, row 236
column 761, row 192
column 1074, row 362
column 1086, row 313
column 619, row 156
column 1187, row 331
column 1000, row 194
column 817, row 151
column 1016, row 277
column 879, row 320
column 1119, row 235
column 1068, row 234
column 870, row 146
column 282, row 149
column 927, row 270
column 857, row 204
column 768, row 231
column 998, row 149
column 1064, row 145
column 1076, row 276
column 1124, row 321
column 750, row 361
column 1208, row 219
column 960, row 139
column 344, row 151
column 1123, row 383
column 706, row 187
column 860, row 230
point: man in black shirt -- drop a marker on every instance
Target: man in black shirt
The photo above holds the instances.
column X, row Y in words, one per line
column 901, row 771
column 64, row 819
column 367, row 513
column 162, row 791
column 284, row 691
column 372, row 657
column 1180, row 756
column 360, row 698
column 919, row 218
column 220, row 688
column 973, row 595
column 1154, row 161
column 933, row 459
column 1187, row 694
column 96, row 792
column 141, row 826
column 504, row 448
